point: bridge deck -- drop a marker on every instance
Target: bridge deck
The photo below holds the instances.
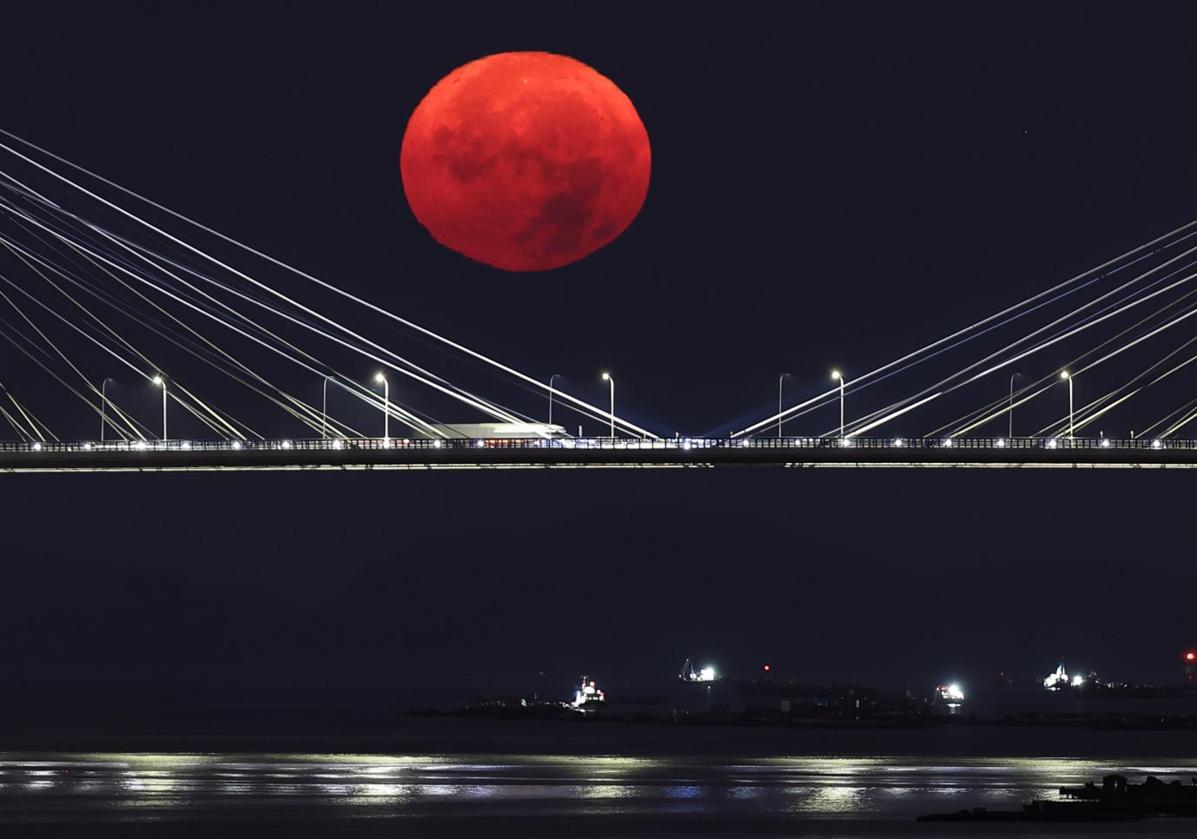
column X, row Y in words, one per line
column 578, row 453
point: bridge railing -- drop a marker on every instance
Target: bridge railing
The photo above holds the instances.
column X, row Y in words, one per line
column 600, row 443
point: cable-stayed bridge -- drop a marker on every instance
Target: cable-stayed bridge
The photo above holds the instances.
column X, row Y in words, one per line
column 595, row 453
column 102, row 288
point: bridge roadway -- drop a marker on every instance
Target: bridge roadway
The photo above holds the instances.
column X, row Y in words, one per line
column 595, row 452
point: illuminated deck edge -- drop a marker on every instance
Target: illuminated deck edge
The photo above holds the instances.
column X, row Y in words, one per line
column 595, row 453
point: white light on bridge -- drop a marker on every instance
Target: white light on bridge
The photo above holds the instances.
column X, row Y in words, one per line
column 141, row 446
column 1051, row 444
column 1156, row 444
column 87, row 447
column 436, row 444
column 899, row 443
column 947, row 444
column 337, row 444
column 846, row 442
column 1105, row 444
column 236, row 445
column 1001, row 443
column 37, row 447
column 286, row 444
column 185, row 446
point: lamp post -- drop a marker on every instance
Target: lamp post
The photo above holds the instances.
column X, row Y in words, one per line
column 1066, row 376
column 324, row 408
column 610, row 380
column 839, row 377
column 103, row 406
column 161, row 382
column 386, row 404
column 552, row 379
column 1010, row 410
column 780, row 379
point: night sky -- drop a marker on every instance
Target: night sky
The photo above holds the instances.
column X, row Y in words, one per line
column 832, row 185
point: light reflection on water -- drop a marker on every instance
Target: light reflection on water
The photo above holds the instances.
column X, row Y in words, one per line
column 820, row 788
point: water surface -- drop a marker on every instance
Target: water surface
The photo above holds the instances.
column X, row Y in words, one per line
column 109, row 794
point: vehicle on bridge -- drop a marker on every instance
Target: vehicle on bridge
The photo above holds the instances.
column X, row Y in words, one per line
column 500, row 430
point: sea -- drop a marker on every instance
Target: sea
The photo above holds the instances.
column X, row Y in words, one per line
column 499, row 779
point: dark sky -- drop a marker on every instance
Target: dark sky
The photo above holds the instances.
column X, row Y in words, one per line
column 833, row 184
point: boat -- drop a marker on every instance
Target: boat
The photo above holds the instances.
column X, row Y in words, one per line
column 588, row 696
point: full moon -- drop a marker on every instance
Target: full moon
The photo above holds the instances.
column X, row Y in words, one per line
column 525, row 161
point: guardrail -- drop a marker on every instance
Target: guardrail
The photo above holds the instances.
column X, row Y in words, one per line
column 595, row 443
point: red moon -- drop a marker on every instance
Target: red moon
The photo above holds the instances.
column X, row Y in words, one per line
column 525, row 161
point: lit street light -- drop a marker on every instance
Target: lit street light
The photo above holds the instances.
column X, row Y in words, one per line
column 839, row 377
column 324, row 408
column 386, row 404
column 780, row 379
column 1066, row 376
column 103, row 406
column 161, row 382
column 609, row 379
column 552, row 379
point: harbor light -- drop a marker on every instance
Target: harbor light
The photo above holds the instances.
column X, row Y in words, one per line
column 951, row 692
column 707, row 674
column 1058, row 679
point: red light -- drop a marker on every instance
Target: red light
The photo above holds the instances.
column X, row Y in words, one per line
column 1190, row 656
column 768, row 668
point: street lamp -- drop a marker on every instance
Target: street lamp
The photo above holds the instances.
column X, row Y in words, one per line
column 1010, row 410
column 1066, row 376
column 839, row 377
column 161, row 382
column 324, row 408
column 552, row 379
column 386, row 404
column 609, row 379
column 103, row 406
column 780, row 379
